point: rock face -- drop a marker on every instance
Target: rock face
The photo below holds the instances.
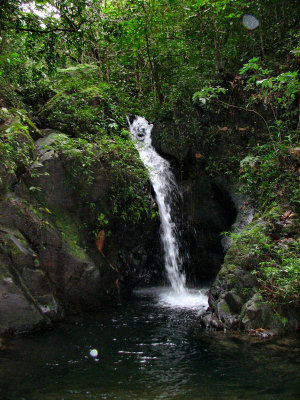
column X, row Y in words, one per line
column 207, row 212
column 49, row 263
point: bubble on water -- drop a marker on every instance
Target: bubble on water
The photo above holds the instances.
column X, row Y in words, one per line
column 94, row 353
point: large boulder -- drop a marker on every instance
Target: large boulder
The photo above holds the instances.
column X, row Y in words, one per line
column 48, row 227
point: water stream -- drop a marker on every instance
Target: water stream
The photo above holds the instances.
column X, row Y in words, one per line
column 166, row 192
column 147, row 351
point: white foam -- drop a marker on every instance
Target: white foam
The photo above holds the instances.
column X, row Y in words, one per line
column 192, row 299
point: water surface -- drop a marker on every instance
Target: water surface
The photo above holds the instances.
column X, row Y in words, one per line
column 147, row 350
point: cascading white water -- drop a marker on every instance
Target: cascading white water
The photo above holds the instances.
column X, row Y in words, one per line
column 166, row 190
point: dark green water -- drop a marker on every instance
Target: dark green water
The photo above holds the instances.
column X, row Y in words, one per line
column 147, row 352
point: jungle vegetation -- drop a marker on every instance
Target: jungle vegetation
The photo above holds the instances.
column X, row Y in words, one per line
column 79, row 66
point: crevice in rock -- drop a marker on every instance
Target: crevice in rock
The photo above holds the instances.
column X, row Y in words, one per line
column 208, row 211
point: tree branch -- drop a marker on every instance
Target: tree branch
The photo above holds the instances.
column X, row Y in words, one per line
column 43, row 30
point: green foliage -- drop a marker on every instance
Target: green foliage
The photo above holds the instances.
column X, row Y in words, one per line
column 279, row 277
column 269, row 248
column 268, row 168
column 17, row 151
column 102, row 220
column 130, row 197
column 277, row 93
column 248, row 245
column 270, row 175
column 153, row 53
column 83, row 109
column 272, row 168
column 208, row 93
column 78, row 76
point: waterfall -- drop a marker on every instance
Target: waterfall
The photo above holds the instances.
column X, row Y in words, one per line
column 166, row 191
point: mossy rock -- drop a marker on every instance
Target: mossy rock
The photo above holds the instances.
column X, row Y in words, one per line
column 19, row 131
column 227, row 269
column 258, row 314
column 17, row 247
column 78, row 76
column 47, row 143
column 68, row 226
column 33, row 130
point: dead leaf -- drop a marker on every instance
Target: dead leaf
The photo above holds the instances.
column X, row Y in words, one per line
column 198, row 155
column 100, row 240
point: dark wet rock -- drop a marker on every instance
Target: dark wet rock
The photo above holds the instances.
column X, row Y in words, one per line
column 17, row 313
column 7, row 180
column 131, row 118
column 23, row 262
column 74, row 276
column 211, row 321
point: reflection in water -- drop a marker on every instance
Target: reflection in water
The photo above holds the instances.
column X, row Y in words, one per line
column 147, row 351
